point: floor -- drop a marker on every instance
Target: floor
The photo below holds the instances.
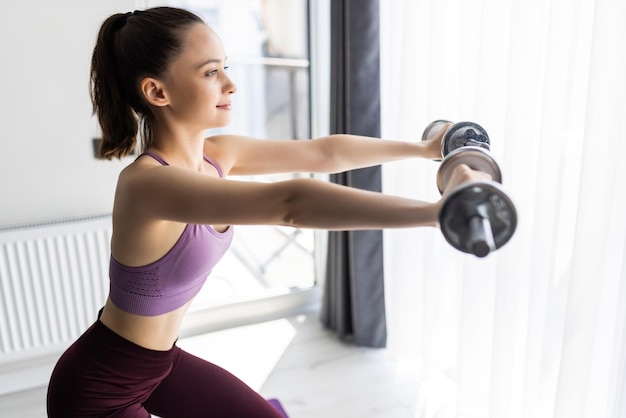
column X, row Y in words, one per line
column 302, row 364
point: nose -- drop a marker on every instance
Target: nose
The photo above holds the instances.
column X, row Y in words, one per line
column 229, row 86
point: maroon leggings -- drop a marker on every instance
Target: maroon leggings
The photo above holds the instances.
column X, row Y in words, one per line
column 105, row 375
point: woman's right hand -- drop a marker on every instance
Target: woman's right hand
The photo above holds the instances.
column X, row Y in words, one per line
column 463, row 174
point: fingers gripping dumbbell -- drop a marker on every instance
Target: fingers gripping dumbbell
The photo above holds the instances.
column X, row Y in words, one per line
column 476, row 217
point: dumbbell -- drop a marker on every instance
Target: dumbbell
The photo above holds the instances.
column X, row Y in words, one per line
column 460, row 134
column 477, row 217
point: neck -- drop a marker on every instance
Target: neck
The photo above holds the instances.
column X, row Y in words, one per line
column 178, row 146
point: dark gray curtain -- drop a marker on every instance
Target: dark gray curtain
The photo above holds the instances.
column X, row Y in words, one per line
column 354, row 300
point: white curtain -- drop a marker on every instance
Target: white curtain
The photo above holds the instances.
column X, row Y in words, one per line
column 536, row 329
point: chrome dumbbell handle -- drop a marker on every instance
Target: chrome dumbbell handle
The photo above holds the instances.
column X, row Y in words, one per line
column 480, row 239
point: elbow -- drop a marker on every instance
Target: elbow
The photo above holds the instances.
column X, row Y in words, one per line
column 296, row 207
column 329, row 163
column 290, row 219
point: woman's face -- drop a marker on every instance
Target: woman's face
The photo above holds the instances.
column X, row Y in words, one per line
column 198, row 88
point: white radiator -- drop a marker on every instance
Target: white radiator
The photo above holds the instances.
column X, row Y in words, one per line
column 53, row 281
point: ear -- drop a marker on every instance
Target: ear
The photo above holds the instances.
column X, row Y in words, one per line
column 154, row 92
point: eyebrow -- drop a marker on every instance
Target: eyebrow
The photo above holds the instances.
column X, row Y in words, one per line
column 210, row 61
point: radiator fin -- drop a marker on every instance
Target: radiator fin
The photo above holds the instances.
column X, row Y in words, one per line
column 53, row 281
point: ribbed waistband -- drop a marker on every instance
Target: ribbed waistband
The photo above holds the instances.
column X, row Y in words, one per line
column 106, row 336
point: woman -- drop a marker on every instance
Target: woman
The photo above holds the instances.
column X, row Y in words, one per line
column 163, row 70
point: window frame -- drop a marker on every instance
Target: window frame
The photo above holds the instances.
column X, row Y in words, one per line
column 299, row 301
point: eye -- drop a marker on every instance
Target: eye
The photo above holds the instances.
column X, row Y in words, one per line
column 210, row 73
column 226, row 68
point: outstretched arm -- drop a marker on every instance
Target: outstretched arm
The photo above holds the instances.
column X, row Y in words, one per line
column 171, row 193
column 238, row 155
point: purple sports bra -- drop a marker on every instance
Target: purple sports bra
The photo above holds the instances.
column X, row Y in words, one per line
column 174, row 279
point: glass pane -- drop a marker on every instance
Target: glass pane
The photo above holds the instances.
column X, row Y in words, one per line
column 266, row 42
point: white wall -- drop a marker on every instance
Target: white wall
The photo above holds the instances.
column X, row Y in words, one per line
column 47, row 168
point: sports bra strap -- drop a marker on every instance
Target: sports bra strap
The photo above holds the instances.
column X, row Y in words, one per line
column 163, row 162
column 214, row 164
column 156, row 157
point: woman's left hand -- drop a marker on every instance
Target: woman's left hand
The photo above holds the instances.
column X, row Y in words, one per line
column 432, row 145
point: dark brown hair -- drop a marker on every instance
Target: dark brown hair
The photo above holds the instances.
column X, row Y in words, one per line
column 130, row 47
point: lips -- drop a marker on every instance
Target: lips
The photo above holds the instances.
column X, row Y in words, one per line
column 225, row 106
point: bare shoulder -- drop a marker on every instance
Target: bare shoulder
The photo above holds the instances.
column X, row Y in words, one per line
column 225, row 149
column 219, row 147
column 136, row 170
column 138, row 238
column 133, row 184
column 221, row 150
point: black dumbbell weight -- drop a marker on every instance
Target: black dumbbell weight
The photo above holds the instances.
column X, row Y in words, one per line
column 478, row 217
column 464, row 134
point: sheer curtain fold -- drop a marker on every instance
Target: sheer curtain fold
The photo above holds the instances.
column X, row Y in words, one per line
column 536, row 329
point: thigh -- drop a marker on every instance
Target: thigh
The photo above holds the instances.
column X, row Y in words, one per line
column 75, row 393
column 103, row 375
column 196, row 388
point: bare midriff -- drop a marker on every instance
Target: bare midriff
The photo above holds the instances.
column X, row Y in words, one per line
column 158, row 332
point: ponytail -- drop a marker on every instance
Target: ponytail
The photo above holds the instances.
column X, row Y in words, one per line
column 129, row 47
column 115, row 115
